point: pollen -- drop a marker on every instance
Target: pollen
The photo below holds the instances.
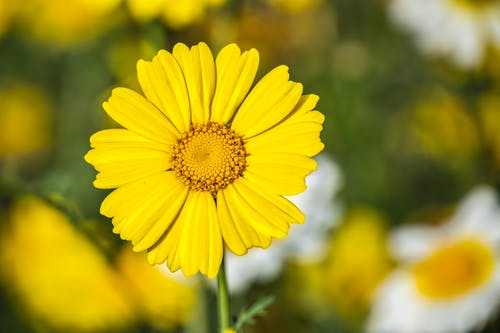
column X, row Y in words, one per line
column 209, row 157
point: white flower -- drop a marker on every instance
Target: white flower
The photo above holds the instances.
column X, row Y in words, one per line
column 449, row 277
column 458, row 29
column 304, row 243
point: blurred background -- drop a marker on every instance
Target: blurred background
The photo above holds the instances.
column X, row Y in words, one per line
column 412, row 126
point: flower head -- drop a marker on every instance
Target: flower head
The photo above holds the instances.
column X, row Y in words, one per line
column 204, row 161
column 449, row 279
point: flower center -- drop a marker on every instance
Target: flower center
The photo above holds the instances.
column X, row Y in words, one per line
column 454, row 269
column 209, row 157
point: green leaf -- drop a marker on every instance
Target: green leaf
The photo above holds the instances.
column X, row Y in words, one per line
column 247, row 316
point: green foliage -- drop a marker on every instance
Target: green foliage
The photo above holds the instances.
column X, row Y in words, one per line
column 247, row 315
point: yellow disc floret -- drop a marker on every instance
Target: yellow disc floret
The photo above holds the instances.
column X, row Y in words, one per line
column 209, row 157
column 454, row 269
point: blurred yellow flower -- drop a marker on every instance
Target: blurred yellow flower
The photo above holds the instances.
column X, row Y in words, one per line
column 122, row 57
column 489, row 113
column 25, row 121
column 144, row 11
column 444, row 129
column 358, row 261
column 176, row 14
column 64, row 22
column 161, row 299
column 61, row 279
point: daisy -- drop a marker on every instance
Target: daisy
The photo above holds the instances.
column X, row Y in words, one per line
column 458, row 29
column 204, row 161
column 449, row 279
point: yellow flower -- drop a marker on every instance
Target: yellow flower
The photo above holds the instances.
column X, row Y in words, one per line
column 445, row 129
column 144, row 11
column 60, row 277
column 64, row 22
column 359, row 260
column 164, row 302
column 25, row 121
column 204, row 161
column 176, row 14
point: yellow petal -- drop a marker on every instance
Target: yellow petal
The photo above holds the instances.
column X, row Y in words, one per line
column 173, row 203
column 201, row 240
column 286, row 209
column 118, row 138
column 119, row 204
column 143, row 210
column 199, row 70
column 279, row 173
column 299, row 133
column 306, row 104
column 235, row 75
column 255, row 217
column 194, row 242
column 269, row 102
column 276, row 212
column 139, row 209
column 137, row 114
column 146, row 212
column 167, row 247
column 237, row 223
column 123, row 165
column 232, row 238
column 163, row 84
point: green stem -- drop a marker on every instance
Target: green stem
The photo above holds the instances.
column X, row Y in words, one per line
column 223, row 298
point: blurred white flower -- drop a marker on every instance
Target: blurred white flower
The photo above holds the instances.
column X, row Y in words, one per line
column 305, row 243
column 449, row 275
column 458, row 29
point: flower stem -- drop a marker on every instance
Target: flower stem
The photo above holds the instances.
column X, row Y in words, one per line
column 223, row 298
